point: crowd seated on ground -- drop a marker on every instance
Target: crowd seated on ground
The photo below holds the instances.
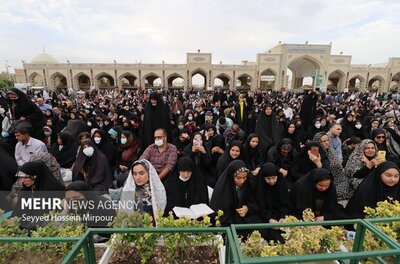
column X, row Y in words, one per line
column 256, row 155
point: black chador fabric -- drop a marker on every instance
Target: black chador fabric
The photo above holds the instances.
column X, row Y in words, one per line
column 45, row 186
column 304, row 165
column 273, row 201
column 372, row 190
column 155, row 117
column 95, row 167
column 24, row 107
column 253, row 157
column 268, row 129
column 96, row 209
column 75, row 127
column 106, row 146
column 308, row 109
column 226, row 158
column 66, row 156
column 304, row 195
column 8, row 169
column 227, row 197
column 185, row 194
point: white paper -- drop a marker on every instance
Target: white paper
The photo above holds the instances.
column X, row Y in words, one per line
column 195, row 211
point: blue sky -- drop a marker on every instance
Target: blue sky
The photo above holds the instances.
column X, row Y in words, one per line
column 155, row 30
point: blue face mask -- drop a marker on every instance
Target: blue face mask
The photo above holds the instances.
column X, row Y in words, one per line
column 5, row 134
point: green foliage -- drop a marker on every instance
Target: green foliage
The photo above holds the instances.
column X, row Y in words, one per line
column 388, row 208
column 179, row 246
column 10, row 228
column 144, row 243
column 20, row 252
column 298, row 240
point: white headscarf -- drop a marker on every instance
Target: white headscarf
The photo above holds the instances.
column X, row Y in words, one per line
column 158, row 194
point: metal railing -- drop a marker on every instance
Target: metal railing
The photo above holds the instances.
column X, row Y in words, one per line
column 233, row 251
column 87, row 244
column 354, row 256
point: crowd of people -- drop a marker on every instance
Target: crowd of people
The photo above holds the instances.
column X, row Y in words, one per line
column 256, row 155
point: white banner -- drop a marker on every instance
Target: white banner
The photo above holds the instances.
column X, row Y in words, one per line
column 267, row 78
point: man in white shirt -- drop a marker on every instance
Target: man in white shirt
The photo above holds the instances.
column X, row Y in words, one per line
column 26, row 145
column 287, row 111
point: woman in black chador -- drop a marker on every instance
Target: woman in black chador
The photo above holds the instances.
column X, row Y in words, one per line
column 22, row 108
column 233, row 195
column 379, row 185
column 187, row 186
column 317, row 192
column 156, row 115
column 268, row 128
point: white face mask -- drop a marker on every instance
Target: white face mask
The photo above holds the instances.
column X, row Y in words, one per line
column 190, row 118
column 2, row 111
column 180, row 126
column 123, row 141
column 88, row 151
column 358, row 126
column 47, row 133
column 97, row 140
column 159, row 142
column 318, row 125
column 89, row 123
column 183, row 179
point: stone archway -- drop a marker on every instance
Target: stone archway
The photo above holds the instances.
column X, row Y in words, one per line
column 175, row 80
column 303, row 71
column 395, row 82
column 128, row 80
column 336, row 80
column 356, row 83
column 222, row 81
column 59, row 81
column 104, row 81
column 267, row 79
column 199, row 78
column 152, row 80
column 244, row 81
column 376, row 83
column 82, row 81
column 35, row 79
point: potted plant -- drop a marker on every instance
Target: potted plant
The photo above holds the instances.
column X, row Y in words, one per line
column 174, row 247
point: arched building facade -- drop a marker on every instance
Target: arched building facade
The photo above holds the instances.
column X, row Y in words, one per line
column 291, row 66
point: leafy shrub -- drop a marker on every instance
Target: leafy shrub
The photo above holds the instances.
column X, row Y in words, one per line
column 298, row 240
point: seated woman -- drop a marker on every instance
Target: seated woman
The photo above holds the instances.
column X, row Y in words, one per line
column 37, row 182
column 340, row 181
column 380, row 136
column 234, row 196
column 127, row 154
column 104, row 144
column 253, row 155
column 144, row 187
column 361, row 163
column 317, row 192
column 81, row 191
column 215, row 143
column 232, row 152
column 309, row 158
column 186, row 187
column 272, row 194
column 91, row 166
column 293, row 134
column 200, row 155
column 379, row 185
column 64, row 150
column 284, row 156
